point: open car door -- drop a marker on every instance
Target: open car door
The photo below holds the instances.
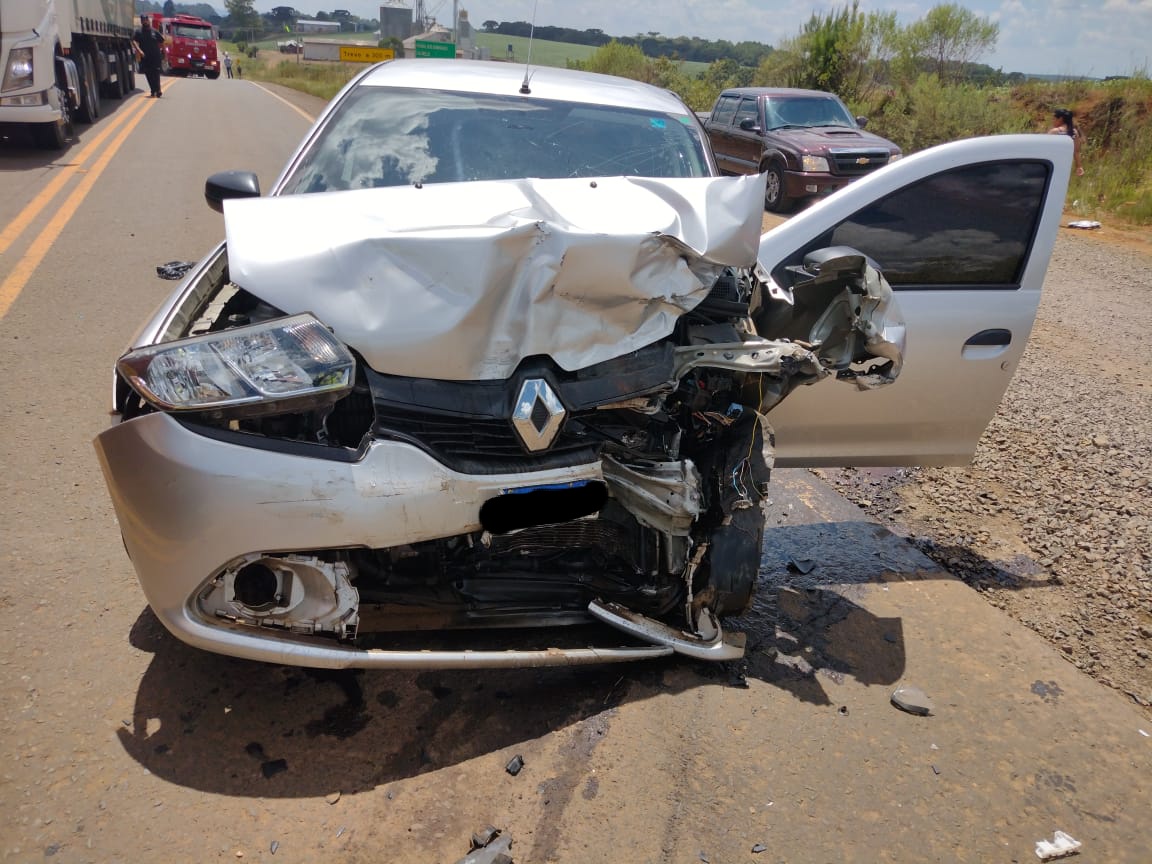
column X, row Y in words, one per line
column 963, row 233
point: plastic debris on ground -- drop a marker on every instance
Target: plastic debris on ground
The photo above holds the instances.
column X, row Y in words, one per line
column 802, row 566
column 1084, row 223
column 514, row 765
column 912, row 699
column 1058, row 847
column 489, row 846
column 174, row 269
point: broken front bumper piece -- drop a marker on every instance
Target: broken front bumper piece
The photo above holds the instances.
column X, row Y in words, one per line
column 190, row 549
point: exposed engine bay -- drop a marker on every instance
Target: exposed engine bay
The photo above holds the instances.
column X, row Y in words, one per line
column 665, row 448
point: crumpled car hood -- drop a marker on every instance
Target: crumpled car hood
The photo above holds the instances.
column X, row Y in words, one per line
column 462, row 281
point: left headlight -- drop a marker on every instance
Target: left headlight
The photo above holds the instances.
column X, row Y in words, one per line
column 18, row 72
column 814, row 163
column 284, row 364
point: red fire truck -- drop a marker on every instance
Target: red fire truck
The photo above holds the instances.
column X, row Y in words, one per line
column 189, row 45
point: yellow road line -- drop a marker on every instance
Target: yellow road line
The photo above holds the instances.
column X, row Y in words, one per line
column 22, row 272
column 16, row 227
column 295, row 108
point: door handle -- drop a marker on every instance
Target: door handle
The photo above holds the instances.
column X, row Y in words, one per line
column 987, row 344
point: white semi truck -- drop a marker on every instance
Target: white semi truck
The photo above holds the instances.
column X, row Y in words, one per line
column 59, row 58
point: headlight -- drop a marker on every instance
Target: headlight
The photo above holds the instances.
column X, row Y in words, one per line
column 814, row 163
column 273, row 366
column 18, row 72
column 893, row 157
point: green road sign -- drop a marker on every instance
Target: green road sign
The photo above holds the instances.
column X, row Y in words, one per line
column 435, row 49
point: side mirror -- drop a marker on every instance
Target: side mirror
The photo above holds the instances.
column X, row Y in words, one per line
column 861, row 122
column 749, row 125
column 230, row 184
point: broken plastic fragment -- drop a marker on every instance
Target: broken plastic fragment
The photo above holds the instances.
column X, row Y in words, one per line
column 1061, row 845
column 802, row 565
column 1084, row 223
column 514, row 765
column 911, row 699
column 174, row 269
column 758, row 848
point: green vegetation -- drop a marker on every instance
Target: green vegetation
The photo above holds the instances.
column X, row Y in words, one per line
column 919, row 85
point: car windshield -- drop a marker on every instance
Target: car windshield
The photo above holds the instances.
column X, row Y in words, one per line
column 385, row 136
column 192, row 31
column 807, row 111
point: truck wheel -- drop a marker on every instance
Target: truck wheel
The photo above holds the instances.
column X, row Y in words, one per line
column 774, row 198
column 55, row 136
column 165, row 69
column 89, row 94
column 213, row 75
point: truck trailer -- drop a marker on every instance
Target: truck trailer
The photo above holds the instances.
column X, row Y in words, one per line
column 60, row 57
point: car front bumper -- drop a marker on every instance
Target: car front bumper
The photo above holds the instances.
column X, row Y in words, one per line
column 806, row 185
column 189, row 504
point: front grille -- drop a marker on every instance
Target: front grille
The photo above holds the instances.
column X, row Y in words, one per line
column 454, row 437
column 855, row 162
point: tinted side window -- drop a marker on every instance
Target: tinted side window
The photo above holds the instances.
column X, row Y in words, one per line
column 968, row 227
column 726, row 109
column 746, row 111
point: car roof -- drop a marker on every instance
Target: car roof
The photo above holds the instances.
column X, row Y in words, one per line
column 781, row 92
column 545, row 82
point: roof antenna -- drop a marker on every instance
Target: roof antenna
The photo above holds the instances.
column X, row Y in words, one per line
column 524, row 88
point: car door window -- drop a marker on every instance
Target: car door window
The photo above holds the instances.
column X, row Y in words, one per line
column 746, row 111
column 966, row 228
column 726, row 109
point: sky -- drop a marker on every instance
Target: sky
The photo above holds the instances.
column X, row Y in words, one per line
column 1094, row 38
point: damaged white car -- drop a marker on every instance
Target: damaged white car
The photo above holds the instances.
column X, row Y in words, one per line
column 500, row 350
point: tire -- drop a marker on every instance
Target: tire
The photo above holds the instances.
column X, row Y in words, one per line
column 212, row 76
column 116, row 88
column 89, row 110
column 56, row 136
column 165, row 69
column 774, row 198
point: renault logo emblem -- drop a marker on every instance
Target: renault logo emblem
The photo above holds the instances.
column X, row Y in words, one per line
column 538, row 416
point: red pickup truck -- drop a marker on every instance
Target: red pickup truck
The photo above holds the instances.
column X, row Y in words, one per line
column 806, row 141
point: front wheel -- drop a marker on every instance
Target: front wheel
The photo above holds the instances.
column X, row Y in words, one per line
column 213, row 75
column 774, row 198
column 56, row 136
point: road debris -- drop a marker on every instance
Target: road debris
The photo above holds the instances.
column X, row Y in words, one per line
column 514, row 765
column 1084, row 223
column 489, row 846
column 332, row 797
column 174, row 269
column 758, row 848
column 274, row 846
column 803, row 566
column 912, row 699
column 1060, row 846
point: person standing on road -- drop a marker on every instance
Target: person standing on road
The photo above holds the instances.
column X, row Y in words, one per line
column 228, row 63
column 1066, row 126
column 147, row 44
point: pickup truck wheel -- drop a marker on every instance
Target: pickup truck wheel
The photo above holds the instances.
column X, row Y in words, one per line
column 774, row 198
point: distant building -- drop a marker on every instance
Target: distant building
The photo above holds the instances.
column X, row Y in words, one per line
column 307, row 25
column 395, row 21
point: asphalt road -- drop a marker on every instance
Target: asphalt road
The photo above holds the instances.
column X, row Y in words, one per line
column 121, row 744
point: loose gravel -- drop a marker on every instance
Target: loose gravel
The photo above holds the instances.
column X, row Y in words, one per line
column 1053, row 520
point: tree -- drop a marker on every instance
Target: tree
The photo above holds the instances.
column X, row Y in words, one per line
column 284, row 14
column 169, row 9
column 242, row 14
column 950, row 37
column 490, row 26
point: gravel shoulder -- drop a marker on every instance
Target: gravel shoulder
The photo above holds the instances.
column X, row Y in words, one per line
column 1053, row 520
